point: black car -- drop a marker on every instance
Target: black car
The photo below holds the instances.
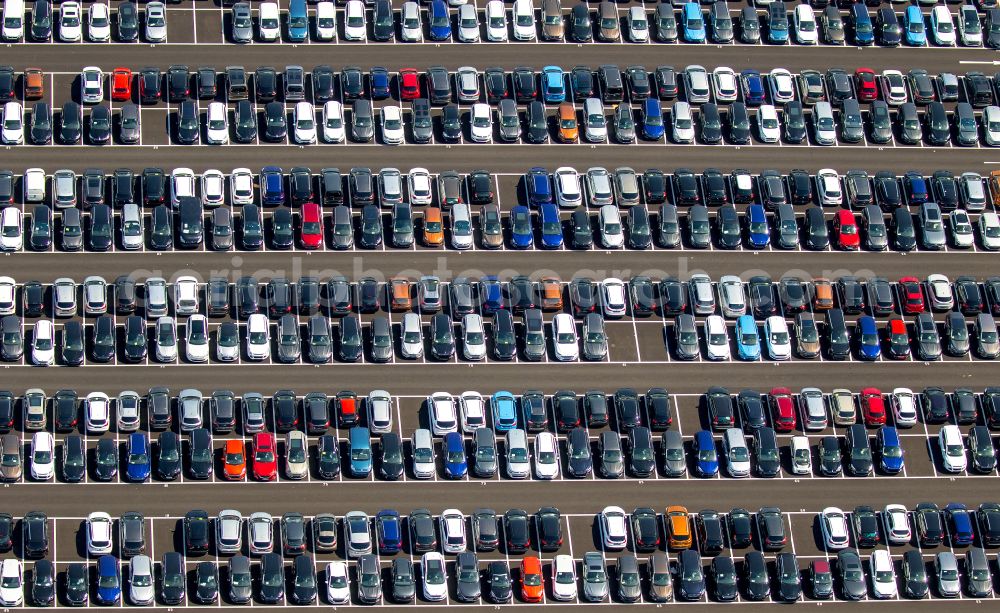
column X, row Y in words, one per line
column 516, row 530
column 659, row 409
column 74, row 459
column 708, row 524
column 771, row 527
column 935, row 403
column 149, row 85
column 645, row 529
column 549, row 528
column 722, row 573
column 266, row 84
column 43, row 583
column 352, row 83
column 106, row 455
column 859, row 452
column 41, row 20
column 275, row 125
column 719, row 408
column 673, row 297
column 206, row 580
column 498, row 581
column 626, row 406
column 578, row 453
column 272, row 578
column 402, row 580
column 40, row 126
column 35, row 534
column 789, row 581
column 566, row 410
column 178, row 83
column 328, row 457
column 161, row 236
column 168, row 456
column 829, row 456
column 70, row 128
column 391, row 461
column 77, row 584
column 757, row 580
column 245, row 122
column 135, row 339
column 538, row 123
column 740, row 528
column 751, row 407
column 533, row 408
column 866, row 528
column 525, row 89
column 690, row 575
column 495, row 80
column 914, row 571
column 768, row 459
column 103, row 340
column 196, row 533
column 929, row 524
column 201, row 457
column 323, row 83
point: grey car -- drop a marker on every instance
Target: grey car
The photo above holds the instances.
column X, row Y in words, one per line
column 852, row 575
column 222, row 229
column 484, row 453
column 10, row 451
column 467, row 577
column 242, row 23
column 369, row 579
column 381, row 331
column 128, row 125
column 674, row 460
column 629, row 583
column 946, row 571
column 595, row 339
column 928, row 339
column 534, row 335
column 288, row 338
column 320, row 339
column 977, row 569
column 686, row 337
column 932, row 234
column 509, row 120
column 363, row 123
column 595, row 577
column 240, row 580
column 12, row 347
column 956, row 334
column 611, row 463
column 788, row 229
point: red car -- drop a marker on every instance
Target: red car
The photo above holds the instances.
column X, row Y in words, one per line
column 409, row 84
column 913, row 295
column 121, row 84
column 872, row 407
column 782, row 409
column 311, row 232
column 845, row 227
column 265, row 457
column 864, row 79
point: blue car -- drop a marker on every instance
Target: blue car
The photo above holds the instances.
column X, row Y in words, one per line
column 388, row 531
column 491, row 292
column 440, row 21
column 959, row 523
column 455, row 466
column 652, row 119
column 504, row 411
column 913, row 27
column 704, row 450
column 109, row 586
column 757, row 226
column 360, row 449
column 915, row 186
column 693, row 23
column 552, row 236
column 867, row 333
column 553, row 85
column 138, row 466
column 864, row 31
column 272, row 185
column 777, row 23
column 753, row 87
column 887, row 442
column 538, row 185
column 747, row 338
column 298, row 21
column 520, row 227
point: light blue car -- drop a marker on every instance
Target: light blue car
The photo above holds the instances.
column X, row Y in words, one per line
column 913, row 27
column 693, row 23
column 504, row 411
column 747, row 338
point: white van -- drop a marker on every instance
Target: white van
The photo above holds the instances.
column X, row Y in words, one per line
column 270, row 22
column 13, row 20
column 34, row 185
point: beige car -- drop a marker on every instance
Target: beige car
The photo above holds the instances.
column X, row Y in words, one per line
column 296, row 455
column 607, row 18
column 552, row 20
column 10, row 457
column 842, row 407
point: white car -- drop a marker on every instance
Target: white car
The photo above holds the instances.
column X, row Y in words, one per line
column 99, row 533
column 12, row 28
column 392, row 125
column 468, row 24
column 952, row 449
column 43, row 461
column 181, row 185
column 156, row 22
column 768, row 126
column 564, row 576
column 461, row 226
column 99, row 23
column 128, row 417
column 496, row 21
column 419, row 183
column 411, row 24
column 989, row 230
column 991, row 125
column 567, row 183
column 338, row 590
column 804, row 20
column 638, row 25
column 452, row 527
column 165, row 340
column 942, row 26
column 833, row 525
column 355, row 27
column 613, row 297
column 43, row 343
column 269, row 22
column 91, row 85
column 13, row 123
column 731, row 296
column 893, row 87
column 614, row 533
column 896, row 522
column 682, row 122
column 379, row 405
column 801, row 456
column 11, row 583
column 779, row 344
column 304, row 121
column 213, row 188
column 411, row 337
column 904, row 407
column 473, row 337
column 939, row 292
column 435, row 576
column 444, row 417
column 961, row 229
column 725, row 84
column 481, row 122
column 564, row 338
column 546, row 456
column 11, row 234
column 241, row 186
column 524, row 20
column 882, row 574
column 141, row 584
column 196, row 339
column 737, row 453
column 258, row 337
column 333, row 122
column 717, row 338
column 97, row 412
column 70, row 22
column 8, row 296
column 473, row 409
column 782, row 86
column 326, row 21
column 828, row 187
column 217, row 124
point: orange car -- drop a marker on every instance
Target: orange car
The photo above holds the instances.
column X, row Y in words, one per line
column 822, row 294
column 568, row 131
column 995, row 186
column 678, row 527
column 121, row 84
column 433, row 227
column 400, row 294
column 235, row 460
column 531, row 579
column 34, row 83
column 552, row 294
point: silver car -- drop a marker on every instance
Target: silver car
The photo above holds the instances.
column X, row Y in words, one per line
column 156, row 297
column 411, row 337
column 64, row 297
column 931, row 226
column 946, row 570
column 359, row 538
column 156, row 22
column 142, row 586
column 229, row 532
column 189, row 403
column 595, row 577
column 64, row 188
column 242, row 23
column 260, row 531
column 132, row 232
